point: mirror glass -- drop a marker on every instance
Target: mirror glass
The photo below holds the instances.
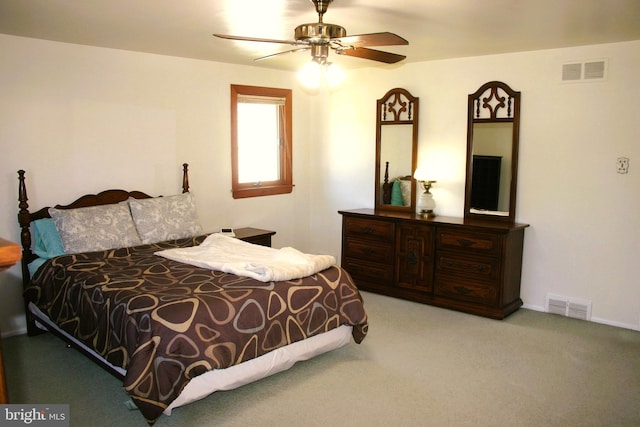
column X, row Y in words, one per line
column 492, row 148
column 396, row 162
column 491, row 167
column 396, row 148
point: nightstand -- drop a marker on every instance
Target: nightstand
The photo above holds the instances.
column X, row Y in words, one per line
column 9, row 255
column 254, row 235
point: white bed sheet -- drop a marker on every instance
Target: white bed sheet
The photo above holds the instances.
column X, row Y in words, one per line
column 252, row 370
column 266, row 365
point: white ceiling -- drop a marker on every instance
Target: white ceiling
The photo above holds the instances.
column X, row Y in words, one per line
column 436, row 29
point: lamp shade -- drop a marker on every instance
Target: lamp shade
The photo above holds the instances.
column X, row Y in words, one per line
column 420, row 174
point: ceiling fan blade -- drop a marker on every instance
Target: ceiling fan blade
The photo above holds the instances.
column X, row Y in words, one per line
column 373, row 39
column 283, row 53
column 253, row 39
column 374, row 55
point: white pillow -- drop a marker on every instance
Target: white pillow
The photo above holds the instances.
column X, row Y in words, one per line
column 95, row 228
column 405, row 187
column 165, row 218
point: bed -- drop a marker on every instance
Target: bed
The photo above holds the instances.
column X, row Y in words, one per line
column 174, row 332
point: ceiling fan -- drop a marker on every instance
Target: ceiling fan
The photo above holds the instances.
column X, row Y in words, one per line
column 320, row 37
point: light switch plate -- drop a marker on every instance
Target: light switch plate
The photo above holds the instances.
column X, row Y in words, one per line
column 622, row 165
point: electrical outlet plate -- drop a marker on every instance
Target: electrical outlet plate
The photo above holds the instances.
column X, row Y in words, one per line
column 622, row 165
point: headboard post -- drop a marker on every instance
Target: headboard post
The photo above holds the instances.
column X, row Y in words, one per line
column 24, row 219
column 185, row 177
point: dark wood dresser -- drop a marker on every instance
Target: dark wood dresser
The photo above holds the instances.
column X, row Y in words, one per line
column 470, row 266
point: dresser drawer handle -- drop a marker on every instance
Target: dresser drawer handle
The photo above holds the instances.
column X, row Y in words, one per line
column 462, row 290
column 465, row 242
column 472, row 267
column 367, row 230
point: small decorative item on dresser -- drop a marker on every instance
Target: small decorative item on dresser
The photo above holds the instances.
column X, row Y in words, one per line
column 425, row 205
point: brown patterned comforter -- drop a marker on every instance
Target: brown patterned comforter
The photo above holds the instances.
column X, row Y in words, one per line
column 166, row 322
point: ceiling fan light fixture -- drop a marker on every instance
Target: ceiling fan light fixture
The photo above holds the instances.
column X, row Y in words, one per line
column 310, row 75
column 335, row 75
column 315, row 74
column 320, row 53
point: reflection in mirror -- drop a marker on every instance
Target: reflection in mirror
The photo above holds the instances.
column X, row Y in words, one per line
column 492, row 152
column 396, row 149
column 491, row 167
column 395, row 155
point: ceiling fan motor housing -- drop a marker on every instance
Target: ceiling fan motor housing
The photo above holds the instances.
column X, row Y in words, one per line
column 319, row 32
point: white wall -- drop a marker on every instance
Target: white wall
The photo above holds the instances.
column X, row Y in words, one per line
column 584, row 239
column 80, row 119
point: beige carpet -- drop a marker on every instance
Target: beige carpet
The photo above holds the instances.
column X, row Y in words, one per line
column 419, row 366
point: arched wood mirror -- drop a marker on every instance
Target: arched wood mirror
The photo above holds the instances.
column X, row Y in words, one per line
column 396, row 150
column 492, row 153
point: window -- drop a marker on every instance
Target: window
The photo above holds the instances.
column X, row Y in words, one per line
column 260, row 141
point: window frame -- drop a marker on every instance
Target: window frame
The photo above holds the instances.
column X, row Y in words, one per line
column 284, row 184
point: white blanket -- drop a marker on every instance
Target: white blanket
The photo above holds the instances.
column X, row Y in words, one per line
column 224, row 253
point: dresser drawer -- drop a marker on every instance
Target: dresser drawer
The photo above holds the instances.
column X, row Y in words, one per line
column 479, row 268
column 465, row 290
column 469, row 241
column 368, row 272
column 369, row 229
column 368, row 251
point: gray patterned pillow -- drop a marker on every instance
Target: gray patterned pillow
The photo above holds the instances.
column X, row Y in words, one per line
column 95, row 228
column 165, row 218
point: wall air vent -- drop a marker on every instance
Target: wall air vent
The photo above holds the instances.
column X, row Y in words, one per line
column 556, row 305
column 569, row 307
column 594, row 70
column 585, row 71
column 571, row 72
column 579, row 310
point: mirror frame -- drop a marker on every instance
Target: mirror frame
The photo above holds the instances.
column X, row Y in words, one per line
column 396, row 107
column 490, row 99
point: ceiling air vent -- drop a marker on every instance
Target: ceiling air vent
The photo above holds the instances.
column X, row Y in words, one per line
column 585, row 71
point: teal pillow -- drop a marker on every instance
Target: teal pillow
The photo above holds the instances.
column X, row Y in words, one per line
column 47, row 243
column 396, row 194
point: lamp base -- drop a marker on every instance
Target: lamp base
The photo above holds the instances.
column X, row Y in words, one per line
column 427, row 213
column 425, row 205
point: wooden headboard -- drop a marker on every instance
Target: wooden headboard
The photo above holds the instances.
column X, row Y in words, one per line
column 25, row 217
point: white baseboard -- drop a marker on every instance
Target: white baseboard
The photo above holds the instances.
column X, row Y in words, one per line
column 616, row 324
column 593, row 319
column 533, row 307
